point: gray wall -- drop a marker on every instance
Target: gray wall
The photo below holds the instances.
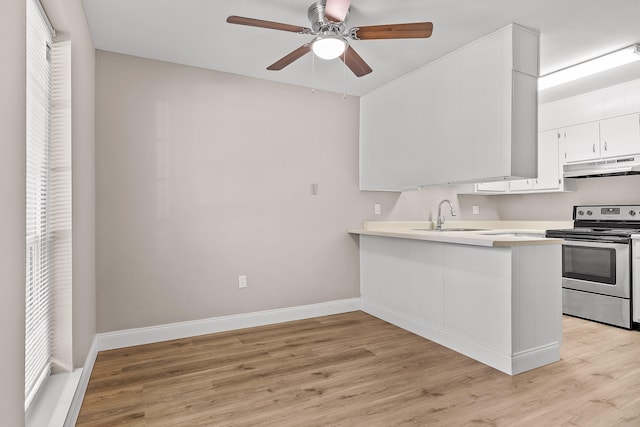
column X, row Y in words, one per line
column 203, row 176
column 68, row 16
column 12, row 213
column 423, row 205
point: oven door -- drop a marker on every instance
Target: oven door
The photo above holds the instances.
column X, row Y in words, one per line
column 598, row 267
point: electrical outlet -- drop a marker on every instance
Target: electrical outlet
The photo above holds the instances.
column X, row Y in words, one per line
column 475, row 210
column 314, row 189
column 242, row 281
column 376, row 209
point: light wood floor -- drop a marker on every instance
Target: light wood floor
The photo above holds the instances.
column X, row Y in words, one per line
column 355, row 370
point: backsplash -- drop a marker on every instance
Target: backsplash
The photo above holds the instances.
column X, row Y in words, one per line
column 423, row 204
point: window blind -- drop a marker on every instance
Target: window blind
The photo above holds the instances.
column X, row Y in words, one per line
column 59, row 209
column 38, row 119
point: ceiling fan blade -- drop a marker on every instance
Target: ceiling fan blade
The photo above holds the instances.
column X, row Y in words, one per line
column 288, row 59
column 355, row 62
column 393, row 31
column 336, row 10
column 251, row 22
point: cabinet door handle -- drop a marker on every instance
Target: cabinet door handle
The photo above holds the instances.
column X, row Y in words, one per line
column 594, row 148
column 605, row 146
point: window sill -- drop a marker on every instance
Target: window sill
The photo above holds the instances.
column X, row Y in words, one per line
column 52, row 404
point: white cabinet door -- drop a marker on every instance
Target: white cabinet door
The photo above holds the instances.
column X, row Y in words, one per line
column 391, row 158
column 615, row 137
column 581, row 142
column 521, row 184
column 620, row 136
column 493, row 187
column 549, row 175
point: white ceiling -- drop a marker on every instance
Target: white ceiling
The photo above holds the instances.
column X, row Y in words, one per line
column 194, row 32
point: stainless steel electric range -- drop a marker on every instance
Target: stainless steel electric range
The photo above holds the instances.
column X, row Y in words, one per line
column 596, row 263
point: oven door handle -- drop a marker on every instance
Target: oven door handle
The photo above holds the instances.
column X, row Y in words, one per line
column 608, row 242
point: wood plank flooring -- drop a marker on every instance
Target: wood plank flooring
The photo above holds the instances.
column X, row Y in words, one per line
column 356, row 370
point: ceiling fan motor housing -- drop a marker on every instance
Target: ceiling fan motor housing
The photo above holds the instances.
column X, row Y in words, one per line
column 320, row 24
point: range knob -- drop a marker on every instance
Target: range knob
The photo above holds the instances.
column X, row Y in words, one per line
column 632, row 213
column 589, row 213
column 580, row 213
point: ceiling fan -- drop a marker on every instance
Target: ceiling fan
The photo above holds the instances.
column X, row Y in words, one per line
column 328, row 23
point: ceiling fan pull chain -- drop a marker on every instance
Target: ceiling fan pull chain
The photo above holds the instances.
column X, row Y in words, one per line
column 344, row 76
column 313, row 74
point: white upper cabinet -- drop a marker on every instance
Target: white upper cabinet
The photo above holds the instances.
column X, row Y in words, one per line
column 620, row 136
column 469, row 116
column 614, row 137
column 549, row 164
column 598, row 125
column 581, row 142
column 496, row 187
column 518, row 185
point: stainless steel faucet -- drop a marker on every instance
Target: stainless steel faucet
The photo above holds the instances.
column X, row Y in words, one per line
column 440, row 220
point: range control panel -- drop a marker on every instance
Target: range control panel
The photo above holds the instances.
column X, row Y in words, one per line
column 608, row 212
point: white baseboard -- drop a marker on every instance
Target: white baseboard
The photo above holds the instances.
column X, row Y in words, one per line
column 535, row 357
column 76, row 403
column 152, row 334
column 508, row 364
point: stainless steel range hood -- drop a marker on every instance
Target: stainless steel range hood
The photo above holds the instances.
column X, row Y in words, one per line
column 611, row 167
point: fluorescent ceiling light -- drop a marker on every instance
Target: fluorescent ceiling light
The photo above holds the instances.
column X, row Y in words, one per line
column 593, row 66
column 328, row 47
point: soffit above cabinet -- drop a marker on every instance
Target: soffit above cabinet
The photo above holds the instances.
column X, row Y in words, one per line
column 469, row 116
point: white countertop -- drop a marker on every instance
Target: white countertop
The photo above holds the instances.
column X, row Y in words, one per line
column 493, row 233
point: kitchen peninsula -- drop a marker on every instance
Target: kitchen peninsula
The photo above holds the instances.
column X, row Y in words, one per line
column 492, row 294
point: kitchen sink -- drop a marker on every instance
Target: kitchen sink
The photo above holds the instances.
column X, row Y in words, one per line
column 510, row 233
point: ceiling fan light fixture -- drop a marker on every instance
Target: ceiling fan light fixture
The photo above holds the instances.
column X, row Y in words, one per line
column 328, row 47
